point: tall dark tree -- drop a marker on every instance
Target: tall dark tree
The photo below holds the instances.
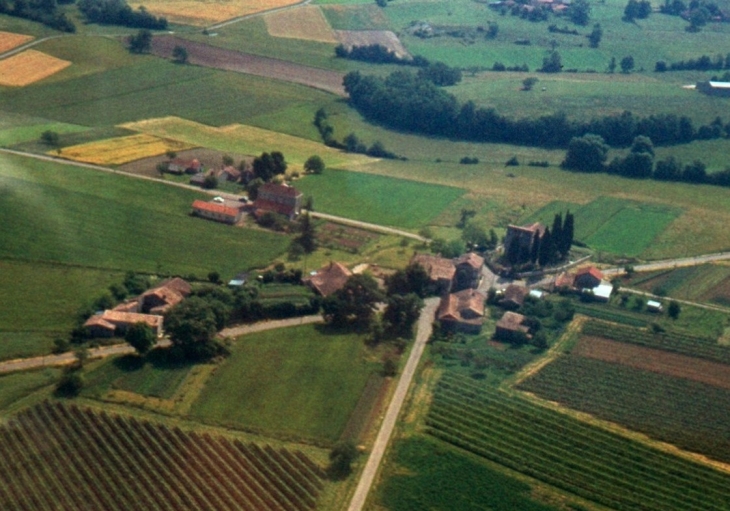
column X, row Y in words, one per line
column 279, row 163
column 557, row 232
column 579, row 12
column 594, row 38
column 192, row 325
column 180, row 55
column 546, row 248
column 568, row 233
column 535, row 250
column 140, row 337
column 141, row 42
column 627, row 64
column 354, row 303
column 587, row 154
column 307, row 237
column 552, row 63
column 401, row 313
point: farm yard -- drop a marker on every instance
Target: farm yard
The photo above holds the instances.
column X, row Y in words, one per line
column 660, row 405
column 564, row 452
column 306, row 22
column 121, row 150
column 9, row 40
column 29, row 67
column 163, row 467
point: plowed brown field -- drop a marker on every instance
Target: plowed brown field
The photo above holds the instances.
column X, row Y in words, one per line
column 210, row 56
column 658, row 361
column 28, row 67
column 9, row 40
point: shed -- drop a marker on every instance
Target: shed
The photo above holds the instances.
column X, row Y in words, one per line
column 654, row 306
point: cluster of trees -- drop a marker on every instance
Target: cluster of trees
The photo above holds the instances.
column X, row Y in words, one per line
column 118, row 12
column 698, row 12
column 499, row 66
column 351, row 143
column 265, row 168
column 305, row 241
column 377, row 54
column 141, row 42
column 405, row 102
column 549, row 248
column 589, row 154
column 42, row 11
column 703, row 63
column 637, row 10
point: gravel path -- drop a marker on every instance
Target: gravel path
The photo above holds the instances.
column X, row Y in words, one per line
column 425, row 323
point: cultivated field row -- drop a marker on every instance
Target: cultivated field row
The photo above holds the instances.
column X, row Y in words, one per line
column 576, row 457
column 69, row 458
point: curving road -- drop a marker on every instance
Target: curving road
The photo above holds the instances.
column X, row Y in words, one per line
column 425, row 323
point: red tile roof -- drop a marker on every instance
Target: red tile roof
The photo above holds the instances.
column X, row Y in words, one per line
column 281, row 190
column 116, row 318
column 472, row 259
column 437, row 267
column 274, row 207
column 466, row 306
column 590, row 270
column 513, row 322
column 213, row 207
column 329, row 279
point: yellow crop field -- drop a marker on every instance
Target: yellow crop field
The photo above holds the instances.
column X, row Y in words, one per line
column 203, row 12
column 9, row 40
column 243, row 139
column 116, row 151
column 28, row 67
column 305, row 22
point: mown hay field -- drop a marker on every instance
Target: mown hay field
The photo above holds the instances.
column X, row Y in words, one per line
column 29, row 67
column 243, row 139
column 116, row 151
column 306, row 23
column 9, row 40
column 201, row 13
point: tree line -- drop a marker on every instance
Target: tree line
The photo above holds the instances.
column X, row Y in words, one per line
column 589, row 153
column 407, row 102
column 703, row 63
column 42, row 11
column 118, row 12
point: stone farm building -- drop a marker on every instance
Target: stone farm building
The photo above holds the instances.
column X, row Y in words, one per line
column 183, row 166
column 514, row 296
column 524, row 236
column 115, row 322
column 462, row 311
column 161, row 298
column 329, row 279
column 451, row 274
column 282, row 199
column 216, row 211
column 511, row 325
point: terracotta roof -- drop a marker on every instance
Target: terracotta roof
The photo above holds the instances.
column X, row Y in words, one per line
column 131, row 306
column 282, row 190
column 565, row 279
column 512, row 321
column 590, row 270
column 99, row 321
column 274, row 207
column 465, row 306
column 537, row 226
column 176, row 283
column 117, row 318
column 232, row 171
column 213, row 207
column 329, row 279
column 437, row 267
column 515, row 294
column 474, row 260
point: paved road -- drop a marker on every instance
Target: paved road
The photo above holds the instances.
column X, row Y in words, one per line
column 386, row 429
column 23, row 364
column 671, row 263
column 367, row 226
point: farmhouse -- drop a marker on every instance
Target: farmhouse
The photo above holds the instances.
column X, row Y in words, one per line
column 329, row 278
column 462, row 311
column 230, row 173
column 524, row 236
column 216, row 211
column 468, row 270
column 112, row 322
column 440, row 271
column 282, row 199
column 510, row 326
column 714, row 88
column 587, row 277
column 182, row 166
column 514, row 296
column 161, row 298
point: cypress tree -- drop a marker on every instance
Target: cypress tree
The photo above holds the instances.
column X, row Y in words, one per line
column 568, row 226
column 535, row 249
column 557, row 235
column 545, row 250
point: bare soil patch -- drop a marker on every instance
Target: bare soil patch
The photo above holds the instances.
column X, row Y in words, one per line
column 9, row 40
column 340, row 237
column 657, row 361
column 201, row 54
column 386, row 38
column 29, row 67
column 305, row 22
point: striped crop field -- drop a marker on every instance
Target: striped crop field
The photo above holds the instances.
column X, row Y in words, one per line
column 63, row 457
column 120, row 150
column 579, row 458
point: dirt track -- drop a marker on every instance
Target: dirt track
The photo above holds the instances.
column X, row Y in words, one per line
column 657, row 361
column 205, row 55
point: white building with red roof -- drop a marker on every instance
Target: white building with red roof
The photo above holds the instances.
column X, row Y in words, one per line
column 216, row 211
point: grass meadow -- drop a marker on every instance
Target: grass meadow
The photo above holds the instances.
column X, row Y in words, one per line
column 378, row 199
column 301, row 382
column 709, row 282
column 64, row 214
column 612, row 225
column 16, row 386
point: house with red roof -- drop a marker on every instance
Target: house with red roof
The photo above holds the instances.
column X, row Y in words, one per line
column 462, row 311
column 113, row 322
column 329, row 279
column 216, row 211
column 587, row 277
column 280, row 199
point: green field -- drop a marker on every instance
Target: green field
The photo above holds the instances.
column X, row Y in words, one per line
column 65, row 214
column 582, row 459
column 612, row 225
column 425, row 474
column 16, row 386
column 153, row 376
column 301, row 382
column 663, row 407
column 709, row 282
column 378, row 199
